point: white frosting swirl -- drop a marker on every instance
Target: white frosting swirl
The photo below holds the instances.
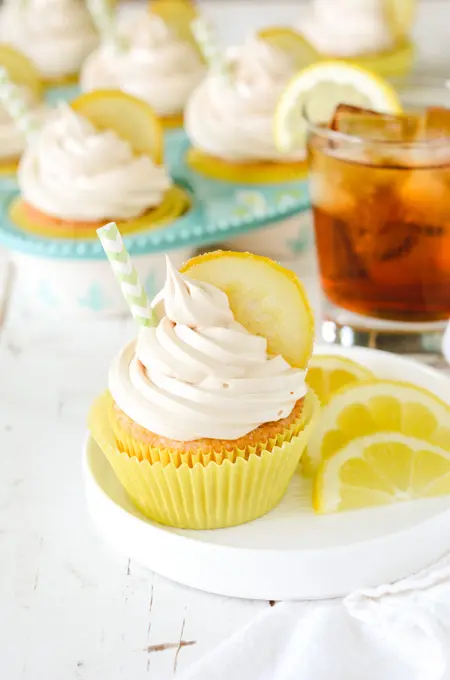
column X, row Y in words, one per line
column 199, row 373
column 57, row 35
column 74, row 172
column 155, row 66
column 348, row 28
column 12, row 139
column 234, row 119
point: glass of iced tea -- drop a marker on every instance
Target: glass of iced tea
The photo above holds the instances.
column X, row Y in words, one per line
column 380, row 194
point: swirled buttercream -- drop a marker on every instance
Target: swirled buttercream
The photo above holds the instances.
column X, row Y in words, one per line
column 233, row 118
column 348, row 28
column 154, row 65
column 198, row 373
column 74, row 172
column 57, row 35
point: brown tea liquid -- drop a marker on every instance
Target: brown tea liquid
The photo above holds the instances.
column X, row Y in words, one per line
column 382, row 234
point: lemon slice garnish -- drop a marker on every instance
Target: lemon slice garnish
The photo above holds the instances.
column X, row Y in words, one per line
column 320, row 88
column 131, row 118
column 291, row 42
column 266, row 298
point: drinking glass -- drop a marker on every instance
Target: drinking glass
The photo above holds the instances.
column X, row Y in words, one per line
column 381, row 211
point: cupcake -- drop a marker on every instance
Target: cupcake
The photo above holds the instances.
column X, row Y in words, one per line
column 155, row 60
column 374, row 33
column 229, row 120
column 57, row 35
column 22, row 73
column 96, row 160
column 208, row 413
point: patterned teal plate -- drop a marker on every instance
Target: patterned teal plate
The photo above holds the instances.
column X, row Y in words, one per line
column 220, row 211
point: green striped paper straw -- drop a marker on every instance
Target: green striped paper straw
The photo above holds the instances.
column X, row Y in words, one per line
column 12, row 99
column 103, row 14
column 205, row 38
column 127, row 276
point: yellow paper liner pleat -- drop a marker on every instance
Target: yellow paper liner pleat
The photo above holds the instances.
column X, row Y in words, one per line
column 257, row 172
column 204, row 496
column 128, row 444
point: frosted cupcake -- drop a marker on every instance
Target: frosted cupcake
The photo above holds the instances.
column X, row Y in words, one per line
column 208, row 412
column 229, row 121
column 155, row 64
column 374, row 33
column 57, row 35
column 97, row 161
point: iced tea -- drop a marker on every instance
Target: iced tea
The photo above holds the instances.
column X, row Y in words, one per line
column 381, row 204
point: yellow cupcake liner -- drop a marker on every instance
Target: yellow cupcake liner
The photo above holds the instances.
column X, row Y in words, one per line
column 204, row 496
column 175, row 204
column 8, row 167
column 142, row 451
column 60, row 81
column 264, row 172
column 172, row 122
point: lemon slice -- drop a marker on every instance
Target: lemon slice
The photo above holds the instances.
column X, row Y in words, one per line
column 178, row 15
column 377, row 406
column 132, row 119
column 400, row 16
column 329, row 373
column 291, row 42
column 21, row 70
column 380, row 469
column 320, row 88
column 267, row 299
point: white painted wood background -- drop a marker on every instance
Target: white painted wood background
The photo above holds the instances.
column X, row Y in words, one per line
column 71, row 609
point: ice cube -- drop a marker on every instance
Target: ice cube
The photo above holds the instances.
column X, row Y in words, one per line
column 437, row 122
column 374, row 126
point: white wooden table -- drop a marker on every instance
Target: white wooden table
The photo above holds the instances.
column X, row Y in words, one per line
column 69, row 608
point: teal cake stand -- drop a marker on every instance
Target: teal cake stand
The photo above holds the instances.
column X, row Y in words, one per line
column 65, row 275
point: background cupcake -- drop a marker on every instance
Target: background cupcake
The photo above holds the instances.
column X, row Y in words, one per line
column 100, row 157
column 77, row 173
column 233, row 157
column 375, row 33
column 229, row 117
column 153, row 60
column 57, row 35
column 207, row 420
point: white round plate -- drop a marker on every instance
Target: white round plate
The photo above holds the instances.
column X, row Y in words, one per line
column 290, row 553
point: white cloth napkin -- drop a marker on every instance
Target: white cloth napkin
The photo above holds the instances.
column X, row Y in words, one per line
column 399, row 631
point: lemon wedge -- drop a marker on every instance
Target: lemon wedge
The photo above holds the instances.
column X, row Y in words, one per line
column 328, row 373
column 266, row 298
column 319, row 89
column 380, row 469
column 375, row 406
